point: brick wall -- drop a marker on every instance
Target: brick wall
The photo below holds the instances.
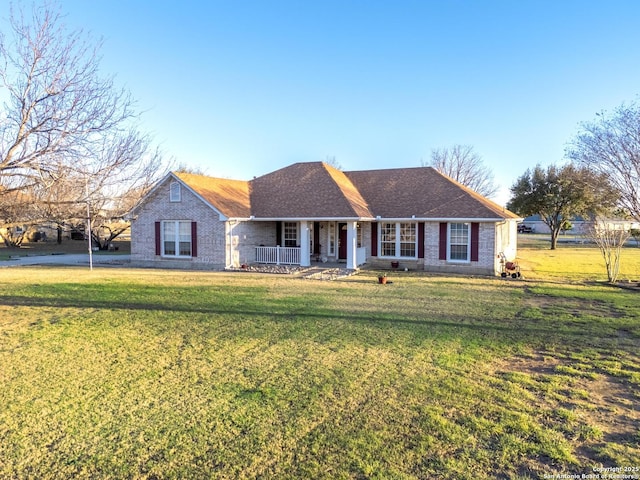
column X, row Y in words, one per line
column 221, row 243
column 246, row 236
column 157, row 207
column 486, row 252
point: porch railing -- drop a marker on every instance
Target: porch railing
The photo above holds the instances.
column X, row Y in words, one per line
column 278, row 255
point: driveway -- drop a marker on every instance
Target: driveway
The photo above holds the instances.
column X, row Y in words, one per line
column 68, row 259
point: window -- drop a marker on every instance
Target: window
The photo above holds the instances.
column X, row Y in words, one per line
column 388, row 239
column 174, row 192
column 398, row 240
column 331, row 234
column 359, row 236
column 459, row 242
column 176, row 239
column 290, row 230
column 407, row 239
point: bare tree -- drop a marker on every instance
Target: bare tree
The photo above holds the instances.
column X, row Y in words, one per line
column 184, row 168
column 58, row 105
column 125, row 170
column 610, row 145
column 108, row 210
column 65, row 131
column 332, row 161
column 610, row 239
column 464, row 165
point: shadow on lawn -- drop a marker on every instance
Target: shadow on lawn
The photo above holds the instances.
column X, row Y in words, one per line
column 507, row 329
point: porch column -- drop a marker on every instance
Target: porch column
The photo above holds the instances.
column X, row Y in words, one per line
column 305, row 245
column 352, row 237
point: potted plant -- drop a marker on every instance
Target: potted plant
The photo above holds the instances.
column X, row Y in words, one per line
column 382, row 278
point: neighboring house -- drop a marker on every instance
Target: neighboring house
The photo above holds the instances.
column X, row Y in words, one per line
column 579, row 225
column 312, row 212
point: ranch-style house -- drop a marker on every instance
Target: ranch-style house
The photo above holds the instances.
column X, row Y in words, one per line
column 310, row 213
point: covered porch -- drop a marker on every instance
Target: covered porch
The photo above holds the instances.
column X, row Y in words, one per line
column 292, row 256
column 314, row 241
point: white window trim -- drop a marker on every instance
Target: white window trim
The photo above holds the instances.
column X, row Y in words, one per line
column 397, row 241
column 381, row 243
column 297, row 233
column 455, row 260
column 175, row 192
column 177, row 241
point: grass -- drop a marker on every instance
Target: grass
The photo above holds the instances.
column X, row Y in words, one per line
column 52, row 248
column 162, row 374
column 574, row 262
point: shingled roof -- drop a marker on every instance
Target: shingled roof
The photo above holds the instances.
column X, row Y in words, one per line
column 315, row 190
column 229, row 197
column 307, row 190
column 423, row 192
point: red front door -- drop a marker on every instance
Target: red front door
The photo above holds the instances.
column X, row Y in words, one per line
column 342, row 241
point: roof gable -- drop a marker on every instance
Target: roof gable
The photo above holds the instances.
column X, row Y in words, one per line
column 311, row 190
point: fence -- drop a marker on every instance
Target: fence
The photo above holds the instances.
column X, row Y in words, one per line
column 278, row 255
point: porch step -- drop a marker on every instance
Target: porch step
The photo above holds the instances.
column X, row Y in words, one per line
column 319, row 273
column 310, row 272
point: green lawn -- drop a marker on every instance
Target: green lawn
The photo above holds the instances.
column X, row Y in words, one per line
column 122, row 373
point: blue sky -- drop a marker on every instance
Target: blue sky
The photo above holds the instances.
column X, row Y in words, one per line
column 241, row 88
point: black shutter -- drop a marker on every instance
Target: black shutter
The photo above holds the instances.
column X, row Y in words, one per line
column 158, row 246
column 279, row 234
column 475, row 240
column 442, row 246
column 374, row 239
column 194, row 239
column 316, row 238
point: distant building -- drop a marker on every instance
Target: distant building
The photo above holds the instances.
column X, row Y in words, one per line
column 578, row 224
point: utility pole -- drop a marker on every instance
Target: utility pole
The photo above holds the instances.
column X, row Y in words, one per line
column 88, row 229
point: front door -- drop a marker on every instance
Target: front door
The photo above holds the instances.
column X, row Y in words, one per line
column 342, row 241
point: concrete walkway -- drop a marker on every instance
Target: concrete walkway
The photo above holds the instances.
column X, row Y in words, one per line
column 68, row 259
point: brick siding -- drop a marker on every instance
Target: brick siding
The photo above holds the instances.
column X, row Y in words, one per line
column 212, row 243
column 232, row 243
